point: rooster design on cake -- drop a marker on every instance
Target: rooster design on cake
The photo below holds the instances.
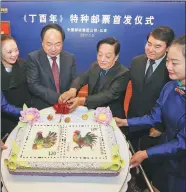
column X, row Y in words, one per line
column 44, row 142
column 89, row 140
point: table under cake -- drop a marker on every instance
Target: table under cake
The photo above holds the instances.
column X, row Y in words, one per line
column 23, row 183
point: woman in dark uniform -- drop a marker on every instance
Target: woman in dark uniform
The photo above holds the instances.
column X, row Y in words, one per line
column 13, row 81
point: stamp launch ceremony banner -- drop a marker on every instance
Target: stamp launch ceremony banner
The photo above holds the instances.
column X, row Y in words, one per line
column 85, row 23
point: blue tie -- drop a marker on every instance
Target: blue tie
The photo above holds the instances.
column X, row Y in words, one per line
column 149, row 71
column 102, row 78
column 103, row 72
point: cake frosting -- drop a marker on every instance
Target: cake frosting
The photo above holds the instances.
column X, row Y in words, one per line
column 80, row 148
column 103, row 115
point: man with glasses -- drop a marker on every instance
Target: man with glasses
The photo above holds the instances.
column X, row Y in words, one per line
column 50, row 70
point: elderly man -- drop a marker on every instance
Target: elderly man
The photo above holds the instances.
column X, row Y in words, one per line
column 107, row 81
column 50, row 70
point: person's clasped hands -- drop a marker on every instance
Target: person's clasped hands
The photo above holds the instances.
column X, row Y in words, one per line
column 66, row 96
column 70, row 98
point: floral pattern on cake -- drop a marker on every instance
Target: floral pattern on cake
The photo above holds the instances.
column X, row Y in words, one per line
column 28, row 115
column 12, row 162
column 103, row 115
column 116, row 163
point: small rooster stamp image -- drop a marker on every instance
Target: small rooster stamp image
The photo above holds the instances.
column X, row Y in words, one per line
column 44, row 142
column 89, row 140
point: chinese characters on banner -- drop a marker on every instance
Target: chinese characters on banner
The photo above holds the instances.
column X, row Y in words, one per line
column 5, row 25
column 4, row 10
column 91, row 19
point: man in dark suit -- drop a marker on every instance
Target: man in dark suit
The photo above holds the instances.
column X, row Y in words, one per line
column 148, row 75
column 107, row 81
column 50, row 70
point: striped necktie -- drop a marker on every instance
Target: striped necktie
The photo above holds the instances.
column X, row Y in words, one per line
column 149, row 71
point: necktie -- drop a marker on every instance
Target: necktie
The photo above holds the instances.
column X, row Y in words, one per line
column 55, row 72
column 103, row 72
column 101, row 78
column 149, row 70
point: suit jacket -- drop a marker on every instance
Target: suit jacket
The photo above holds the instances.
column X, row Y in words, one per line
column 144, row 95
column 172, row 148
column 111, row 93
column 15, row 89
column 41, row 81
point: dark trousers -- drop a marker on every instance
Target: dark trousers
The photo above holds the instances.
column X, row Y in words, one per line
column 146, row 142
column 134, row 138
column 142, row 141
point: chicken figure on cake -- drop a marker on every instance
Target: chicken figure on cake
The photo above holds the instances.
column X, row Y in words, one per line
column 89, row 140
column 44, row 142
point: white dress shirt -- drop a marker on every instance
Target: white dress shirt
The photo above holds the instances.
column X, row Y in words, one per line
column 8, row 69
column 155, row 65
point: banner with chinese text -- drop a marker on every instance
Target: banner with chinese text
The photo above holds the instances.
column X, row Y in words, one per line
column 85, row 23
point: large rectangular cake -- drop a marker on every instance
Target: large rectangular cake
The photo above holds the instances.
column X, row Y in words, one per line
column 65, row 149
